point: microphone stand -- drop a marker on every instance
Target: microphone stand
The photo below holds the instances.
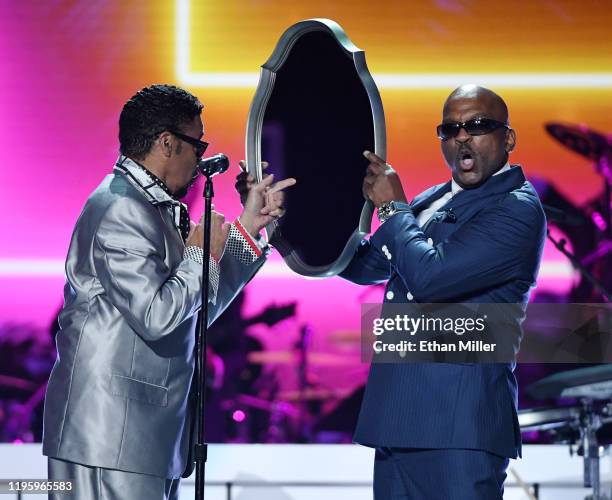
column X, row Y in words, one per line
column 201, row 448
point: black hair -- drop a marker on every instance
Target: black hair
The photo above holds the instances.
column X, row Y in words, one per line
column 150, row 112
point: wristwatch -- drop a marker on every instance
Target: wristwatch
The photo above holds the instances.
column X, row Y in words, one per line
column 386, row 210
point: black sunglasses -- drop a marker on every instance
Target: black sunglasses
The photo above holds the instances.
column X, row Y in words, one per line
column 199, row 145
column 475, row 126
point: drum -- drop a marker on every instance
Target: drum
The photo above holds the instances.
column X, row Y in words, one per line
column 544, row 419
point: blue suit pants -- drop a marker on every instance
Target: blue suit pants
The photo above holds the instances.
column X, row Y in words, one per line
column 432, row 474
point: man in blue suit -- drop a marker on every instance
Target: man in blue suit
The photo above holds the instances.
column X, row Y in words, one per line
column 447, row 431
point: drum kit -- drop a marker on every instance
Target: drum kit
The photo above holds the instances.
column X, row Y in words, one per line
column 580, row 425
column 288, row 415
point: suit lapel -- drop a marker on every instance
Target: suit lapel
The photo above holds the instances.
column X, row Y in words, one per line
column 496, row 184
column 466, row 202
column 422, row 201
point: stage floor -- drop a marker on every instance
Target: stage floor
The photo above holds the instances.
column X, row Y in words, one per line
column 326, row 472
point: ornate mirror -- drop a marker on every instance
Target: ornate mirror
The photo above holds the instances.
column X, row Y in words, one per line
column 316, row 109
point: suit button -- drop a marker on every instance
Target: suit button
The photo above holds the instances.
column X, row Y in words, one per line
column 385, row 250
column 409, row 296
column 390, row 295
column 429, row 241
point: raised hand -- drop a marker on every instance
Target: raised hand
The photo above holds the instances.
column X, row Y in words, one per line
column 381, row 183
column 264, row 203
column 245, row 181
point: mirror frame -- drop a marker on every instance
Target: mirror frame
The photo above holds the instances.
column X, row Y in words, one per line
column 257, row 111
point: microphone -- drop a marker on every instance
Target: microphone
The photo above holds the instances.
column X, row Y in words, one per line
column 214, row 165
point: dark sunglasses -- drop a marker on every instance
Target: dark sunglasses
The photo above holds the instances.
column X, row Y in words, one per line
column 476, row 126
column 196, row 143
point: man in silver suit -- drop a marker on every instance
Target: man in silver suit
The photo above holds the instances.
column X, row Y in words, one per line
column 118, row 414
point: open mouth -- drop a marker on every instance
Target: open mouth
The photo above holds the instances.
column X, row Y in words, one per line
column 466, row 161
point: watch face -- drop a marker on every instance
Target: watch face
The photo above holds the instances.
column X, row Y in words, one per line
column 390, row 207
column 385, row 211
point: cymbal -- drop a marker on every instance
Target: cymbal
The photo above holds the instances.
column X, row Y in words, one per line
column 542, row 419
column 312, row 394
column 293, row 358
column 345, row 337
column 594, row 382
column 581, row 139
column 18, row 384
column 257, row 403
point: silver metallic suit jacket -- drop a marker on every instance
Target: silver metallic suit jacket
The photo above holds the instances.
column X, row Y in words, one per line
column 118, row 396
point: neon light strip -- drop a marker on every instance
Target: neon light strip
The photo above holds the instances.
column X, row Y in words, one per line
column 498, row 80
column 383, row 80
column 24, row 268
column 54, row 268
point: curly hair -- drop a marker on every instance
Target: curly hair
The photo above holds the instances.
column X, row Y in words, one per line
column 152, row 111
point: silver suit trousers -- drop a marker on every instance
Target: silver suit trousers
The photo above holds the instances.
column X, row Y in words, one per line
column 97, row 483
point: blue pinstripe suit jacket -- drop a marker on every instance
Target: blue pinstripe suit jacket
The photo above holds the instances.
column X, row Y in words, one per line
column 487, row 247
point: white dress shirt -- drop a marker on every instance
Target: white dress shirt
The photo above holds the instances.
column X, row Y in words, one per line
column 426, row 214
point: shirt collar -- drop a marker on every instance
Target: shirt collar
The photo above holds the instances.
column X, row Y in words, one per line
column 456, row 188
column 143, row 180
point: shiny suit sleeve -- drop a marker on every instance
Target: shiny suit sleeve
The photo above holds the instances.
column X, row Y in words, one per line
column 487, row 251
column 129, row 262
column 237, row 268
